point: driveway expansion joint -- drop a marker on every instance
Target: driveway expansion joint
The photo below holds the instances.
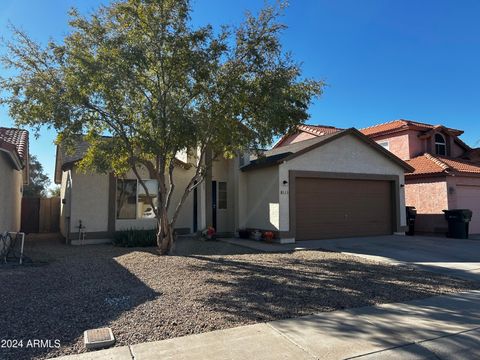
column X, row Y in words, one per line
column 132, row 354
column 286, row 337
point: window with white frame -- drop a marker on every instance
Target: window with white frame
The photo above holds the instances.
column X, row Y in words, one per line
column 384, row 144
column 133, row 201
column 440, row 145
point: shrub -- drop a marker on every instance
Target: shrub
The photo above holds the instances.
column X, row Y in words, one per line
column 135, row 238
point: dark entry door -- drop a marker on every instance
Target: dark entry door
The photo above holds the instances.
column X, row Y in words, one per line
column 195, row 209
column 214, row 205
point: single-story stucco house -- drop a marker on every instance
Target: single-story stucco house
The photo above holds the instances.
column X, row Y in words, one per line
column 339, row 184
column 13, row 175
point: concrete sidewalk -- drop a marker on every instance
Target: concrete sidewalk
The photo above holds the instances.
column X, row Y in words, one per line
column 442, row 327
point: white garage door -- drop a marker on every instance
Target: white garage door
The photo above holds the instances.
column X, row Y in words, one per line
column 468, row 197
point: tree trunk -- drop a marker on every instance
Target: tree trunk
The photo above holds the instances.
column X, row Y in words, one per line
column 165, row 233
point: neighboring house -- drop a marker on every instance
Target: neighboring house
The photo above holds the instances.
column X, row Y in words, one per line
column 355, row 184
column 446, row 170
column 305, row 132
column 13, row 175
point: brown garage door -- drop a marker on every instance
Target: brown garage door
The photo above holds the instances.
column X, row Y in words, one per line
column 332, row 208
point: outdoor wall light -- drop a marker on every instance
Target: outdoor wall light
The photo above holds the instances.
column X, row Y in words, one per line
column 285, row 182
column 402, row 185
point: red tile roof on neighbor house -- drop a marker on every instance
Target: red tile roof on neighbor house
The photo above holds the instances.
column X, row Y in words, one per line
column 15, row 139
column 317, row 130
column 401, row 125
column 428, row 164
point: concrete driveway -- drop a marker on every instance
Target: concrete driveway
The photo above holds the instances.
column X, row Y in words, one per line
column 454, row 257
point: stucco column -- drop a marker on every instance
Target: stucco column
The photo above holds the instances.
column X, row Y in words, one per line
column 208, row 188
column 111, row 202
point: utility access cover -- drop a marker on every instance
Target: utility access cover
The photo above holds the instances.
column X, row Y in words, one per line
column 98, row 338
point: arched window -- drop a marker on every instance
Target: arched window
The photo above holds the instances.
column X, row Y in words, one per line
column 440, row 145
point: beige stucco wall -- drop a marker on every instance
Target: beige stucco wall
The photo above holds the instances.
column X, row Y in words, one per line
column 261, row 191
column 224, row 170
column 241, row 198
column 89, row 201
column 347, row 154
column 181, row 178
column 11, row 187
column 65, row 202
column 89, row 197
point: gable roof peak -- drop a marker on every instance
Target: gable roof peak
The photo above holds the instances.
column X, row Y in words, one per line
column 316, row 130
column 285, row 153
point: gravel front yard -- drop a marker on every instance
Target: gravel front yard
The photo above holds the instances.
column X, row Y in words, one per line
column 206, row 286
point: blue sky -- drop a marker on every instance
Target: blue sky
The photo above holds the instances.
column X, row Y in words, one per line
column 382, row 59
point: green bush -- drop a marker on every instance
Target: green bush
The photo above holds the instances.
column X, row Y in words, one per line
column 135, row 238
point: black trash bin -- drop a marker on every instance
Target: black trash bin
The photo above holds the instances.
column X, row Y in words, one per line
column 411, row 216
column 458, row 222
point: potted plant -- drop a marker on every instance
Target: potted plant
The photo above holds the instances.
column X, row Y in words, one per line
column 209, row 233
column 256, row 235
column 268, row 236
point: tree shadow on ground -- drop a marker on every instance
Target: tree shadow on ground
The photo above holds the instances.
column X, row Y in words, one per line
column 301, row 284
column 81, row 288
column 435, row 325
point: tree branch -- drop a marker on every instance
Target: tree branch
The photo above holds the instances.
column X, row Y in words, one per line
column 194, row 181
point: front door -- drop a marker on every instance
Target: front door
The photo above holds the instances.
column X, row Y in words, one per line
column 195, row 209
column 214, row 205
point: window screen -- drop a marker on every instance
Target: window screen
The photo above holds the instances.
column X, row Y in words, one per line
column 222, row 195
column 145, row 209
column 126, row 199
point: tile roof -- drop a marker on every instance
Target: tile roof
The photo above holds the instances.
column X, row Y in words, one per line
column 278, row 154
column 18, row 138
column 428, row 164
column 399, row 125
column 317, row 130
column 295, row 147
